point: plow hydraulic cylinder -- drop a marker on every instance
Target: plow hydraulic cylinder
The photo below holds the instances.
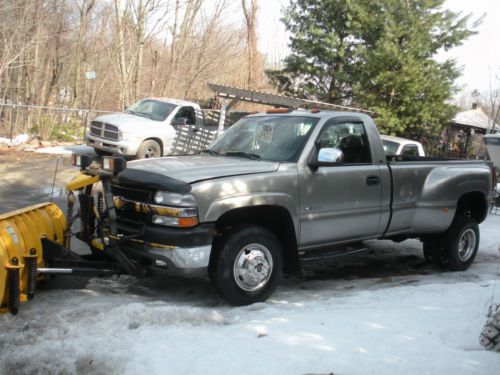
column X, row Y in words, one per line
column 14, row 281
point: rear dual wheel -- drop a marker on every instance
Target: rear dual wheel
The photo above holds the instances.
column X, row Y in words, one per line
column 456, row 248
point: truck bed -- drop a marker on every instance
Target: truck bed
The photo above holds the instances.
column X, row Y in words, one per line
column 425, row 190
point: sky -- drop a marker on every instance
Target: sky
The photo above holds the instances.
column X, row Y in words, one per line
column 479, row 55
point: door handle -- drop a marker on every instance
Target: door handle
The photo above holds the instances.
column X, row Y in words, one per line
column 372, row 180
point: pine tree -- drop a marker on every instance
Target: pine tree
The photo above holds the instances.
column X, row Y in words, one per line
column 378, row 54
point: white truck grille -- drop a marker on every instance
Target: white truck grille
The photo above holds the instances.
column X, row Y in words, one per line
column 103, row 130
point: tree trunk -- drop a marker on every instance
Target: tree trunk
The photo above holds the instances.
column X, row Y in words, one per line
column 85, row 9
column 124, row 98
column 141, row 20
column 250, row 13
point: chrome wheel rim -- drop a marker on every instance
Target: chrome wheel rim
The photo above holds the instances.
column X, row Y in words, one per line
column 253, row 267
column 466, row 245
column 150, row 153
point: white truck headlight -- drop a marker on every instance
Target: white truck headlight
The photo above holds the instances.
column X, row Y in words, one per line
column 166, row 198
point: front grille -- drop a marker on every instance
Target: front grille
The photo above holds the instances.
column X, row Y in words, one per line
column 103, row 130
column 132, row 193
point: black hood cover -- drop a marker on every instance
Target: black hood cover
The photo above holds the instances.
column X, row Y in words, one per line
column 152, row 180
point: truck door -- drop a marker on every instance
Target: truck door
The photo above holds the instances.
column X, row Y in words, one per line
column 341, row 202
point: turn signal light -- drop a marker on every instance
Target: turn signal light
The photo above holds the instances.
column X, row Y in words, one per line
column 186, row 222
column 180, row 222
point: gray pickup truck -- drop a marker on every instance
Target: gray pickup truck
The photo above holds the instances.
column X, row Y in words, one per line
column 285, row 187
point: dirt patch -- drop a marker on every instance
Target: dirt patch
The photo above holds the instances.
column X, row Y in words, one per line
column 6, row 153
column 28, row 177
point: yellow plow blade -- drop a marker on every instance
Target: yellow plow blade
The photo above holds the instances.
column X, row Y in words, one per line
column 21, row 251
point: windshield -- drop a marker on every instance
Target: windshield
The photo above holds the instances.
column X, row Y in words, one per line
column 390, row 148
column 277, row 138
column 153, row 109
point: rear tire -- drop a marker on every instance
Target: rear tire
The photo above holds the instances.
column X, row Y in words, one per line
column 459, row 243
column 149, row 149
column 247, row 265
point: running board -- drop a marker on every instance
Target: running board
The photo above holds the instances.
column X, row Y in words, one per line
column 334, row 252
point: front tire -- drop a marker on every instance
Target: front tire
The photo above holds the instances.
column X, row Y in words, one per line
column 149, row 149
column 247, row 265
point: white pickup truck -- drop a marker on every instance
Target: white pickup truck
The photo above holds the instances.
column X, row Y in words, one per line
column 401, row 146
column 147, row 129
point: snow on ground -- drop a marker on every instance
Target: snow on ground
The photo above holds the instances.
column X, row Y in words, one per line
column 381, row 313
column 17, row 140
column 66, row 150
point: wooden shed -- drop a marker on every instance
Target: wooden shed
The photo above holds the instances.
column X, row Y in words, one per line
column 463, row 137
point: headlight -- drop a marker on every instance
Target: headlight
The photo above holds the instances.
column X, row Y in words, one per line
column 178, row 210
column 166, row 198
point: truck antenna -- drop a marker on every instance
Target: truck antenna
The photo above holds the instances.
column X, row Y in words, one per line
column 54, row 181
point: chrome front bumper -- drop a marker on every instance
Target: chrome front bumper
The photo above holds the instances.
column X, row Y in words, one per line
column 176, row 261
column 116, row 147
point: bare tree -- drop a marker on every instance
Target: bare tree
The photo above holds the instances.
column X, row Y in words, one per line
column 181, row 33
column 494, row 102
column 250, row 13
column 136, row 47
column 84, row 8
column 124, row 71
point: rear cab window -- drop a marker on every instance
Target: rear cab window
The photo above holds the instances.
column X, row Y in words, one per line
column 410, row 150
column 188, row 113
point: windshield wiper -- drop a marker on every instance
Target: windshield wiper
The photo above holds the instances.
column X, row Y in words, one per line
column 244, row 154
column 142, row 114
column 211, row 152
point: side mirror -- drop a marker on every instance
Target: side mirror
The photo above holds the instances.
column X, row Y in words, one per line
column 326, row 156
column 180, row 121
column 330, row 155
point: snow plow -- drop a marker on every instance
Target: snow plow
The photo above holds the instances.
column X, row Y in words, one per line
column 22, row 237
column 35, row 241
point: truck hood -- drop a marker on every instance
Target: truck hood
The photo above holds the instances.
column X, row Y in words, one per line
column 127, row 122
column 197, row 168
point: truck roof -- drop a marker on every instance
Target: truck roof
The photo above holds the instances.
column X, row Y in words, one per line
column 323, row 114
column 174, row 101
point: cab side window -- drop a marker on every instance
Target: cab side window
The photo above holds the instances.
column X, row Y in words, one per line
column 188, row 113
column 350, row 138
